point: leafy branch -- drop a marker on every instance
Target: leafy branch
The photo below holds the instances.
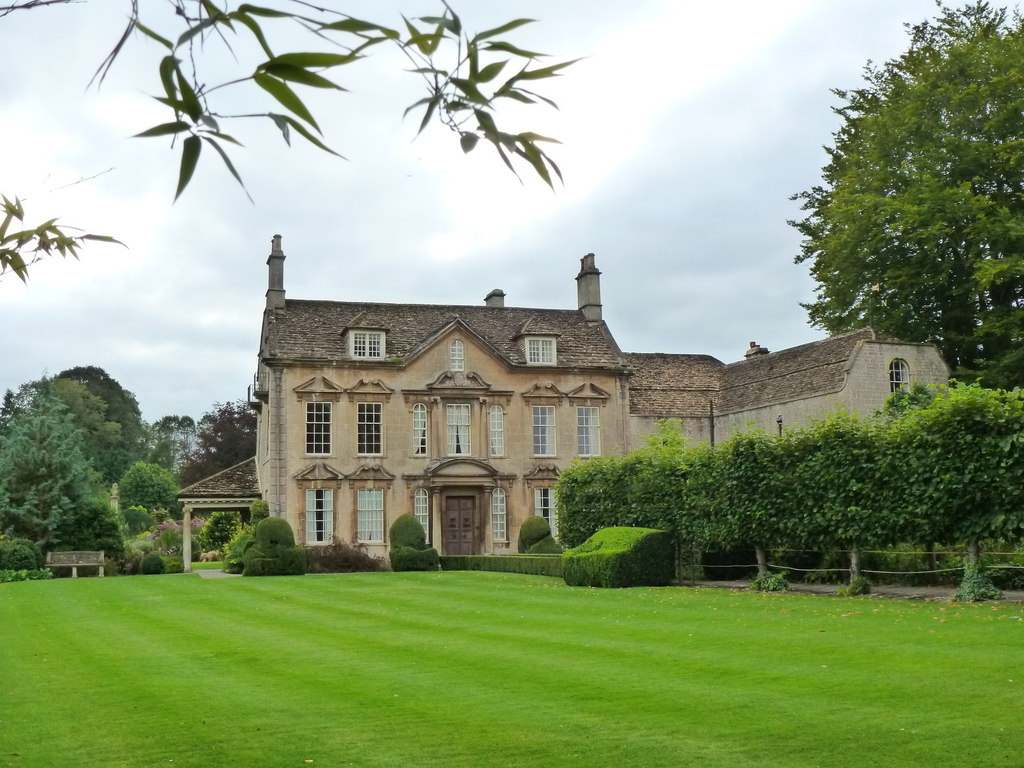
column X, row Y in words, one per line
column 462, row 95
column 20, row 248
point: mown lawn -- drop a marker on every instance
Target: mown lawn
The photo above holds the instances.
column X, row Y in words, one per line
column 480, row 669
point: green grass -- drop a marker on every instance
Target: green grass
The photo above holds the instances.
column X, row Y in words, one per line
column 482, row 669
column 216, row 565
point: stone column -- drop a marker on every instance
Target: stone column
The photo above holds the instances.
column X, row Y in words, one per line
column 186, row 539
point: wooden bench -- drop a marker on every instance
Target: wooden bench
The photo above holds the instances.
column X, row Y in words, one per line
column 73, row 560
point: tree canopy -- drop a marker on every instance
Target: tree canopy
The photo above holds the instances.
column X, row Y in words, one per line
column 918, row 226
column 225, row 436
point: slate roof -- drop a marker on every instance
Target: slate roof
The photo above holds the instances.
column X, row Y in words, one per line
column 665, row 385
column 234, row 482
column 314, row 330
column 804, row 371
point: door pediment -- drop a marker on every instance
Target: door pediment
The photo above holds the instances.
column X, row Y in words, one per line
column 462, row 468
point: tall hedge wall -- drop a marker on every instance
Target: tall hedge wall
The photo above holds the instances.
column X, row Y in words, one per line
column 944, row 466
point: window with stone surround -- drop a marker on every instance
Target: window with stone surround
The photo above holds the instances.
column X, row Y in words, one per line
column 319, row 515
column 499, row 516
column 421, row 509
column 899, row 374
column 458, row 418
column 544, row 506
column 318, row 429
column 369, row 429
column 497, row 430
column 588, row 431
column 419, row 429
column 543, row 430
column 370, row 515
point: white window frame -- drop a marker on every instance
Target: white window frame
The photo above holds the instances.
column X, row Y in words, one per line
column 369, row 432
column 366, row 345
column 370, row 515
column 588, row 430
column 458, row 418
column 456, row 356
column 318, row 428
column 541, row 350
column 496, row 430
column 420, row 444
column 899, row 374
column 499, row 515
column 421, row 509
column 319, row 515
column 544, row 430
column 544, row 506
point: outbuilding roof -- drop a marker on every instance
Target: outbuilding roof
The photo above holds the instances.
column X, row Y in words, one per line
column 234, row 482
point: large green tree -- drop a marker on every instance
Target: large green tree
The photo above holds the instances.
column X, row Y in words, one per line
column 150, row 486
column 45, row 477
column 918, row 226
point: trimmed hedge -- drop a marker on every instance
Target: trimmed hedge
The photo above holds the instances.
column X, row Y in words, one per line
column 621, row 557
column 535, row 565
column 152, row 564
column 411, row 559
column 546, row 546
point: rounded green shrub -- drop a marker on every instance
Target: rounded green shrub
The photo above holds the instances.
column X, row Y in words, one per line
column 152, row 564
column 546, row 546
column 411, row 559
column 273, row 553
column 407, row 531
column 273, row 532
column 258, row 510
column 20, row 555
column 173, row 564
column 533, row 529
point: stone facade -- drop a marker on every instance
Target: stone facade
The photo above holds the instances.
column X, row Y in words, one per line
column 466, row 415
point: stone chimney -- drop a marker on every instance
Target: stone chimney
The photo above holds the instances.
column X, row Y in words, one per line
column 588, row 288
column 275, row 286
column 495, row 298
column 755, row 350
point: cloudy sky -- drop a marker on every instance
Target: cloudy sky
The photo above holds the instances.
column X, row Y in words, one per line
column 686, row 128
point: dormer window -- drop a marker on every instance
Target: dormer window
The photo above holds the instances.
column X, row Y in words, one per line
column 366, row 344
column 540, row 350
column 456, row 356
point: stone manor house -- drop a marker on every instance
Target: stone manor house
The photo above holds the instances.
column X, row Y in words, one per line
column 465, row 415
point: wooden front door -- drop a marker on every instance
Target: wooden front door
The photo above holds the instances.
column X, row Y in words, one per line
column 459, row 525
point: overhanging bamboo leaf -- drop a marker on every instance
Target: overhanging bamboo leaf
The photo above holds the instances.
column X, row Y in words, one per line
column 189, row 158
column 298, row 75
column 507, row 27
column 227, row 161
column 164, row 129
column 286, row 97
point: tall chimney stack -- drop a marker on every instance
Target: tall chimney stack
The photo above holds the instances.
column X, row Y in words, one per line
column 495, row 298
column 588, row 288
column 275, row 286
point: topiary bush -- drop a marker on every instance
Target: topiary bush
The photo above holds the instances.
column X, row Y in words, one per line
column 409, row 550
column 621, row 557
column 273, row 553
column 407, row 531
column 546, row 546
column 20, row 555
column 534, row 529
column 409, row 559
column 258, row 510
column 152, row 564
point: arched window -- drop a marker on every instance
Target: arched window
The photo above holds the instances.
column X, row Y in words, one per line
column 421, row 509
column 497, row 431
column 899, row 374
column 419, row 429
column 499, row 516
column 456, row 356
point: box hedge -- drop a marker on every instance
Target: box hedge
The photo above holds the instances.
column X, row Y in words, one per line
column 621, row 557
column 274, row 552
column 536, row 565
